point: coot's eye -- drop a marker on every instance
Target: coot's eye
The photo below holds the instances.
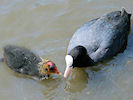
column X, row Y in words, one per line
column 71, row 66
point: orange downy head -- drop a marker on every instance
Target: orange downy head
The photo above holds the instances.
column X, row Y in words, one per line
column 48, row 67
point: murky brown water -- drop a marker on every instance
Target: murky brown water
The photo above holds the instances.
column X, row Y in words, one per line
column 46, row 26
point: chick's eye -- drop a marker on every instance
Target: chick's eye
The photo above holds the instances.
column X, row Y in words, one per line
column 46, row 69
column 51, row 68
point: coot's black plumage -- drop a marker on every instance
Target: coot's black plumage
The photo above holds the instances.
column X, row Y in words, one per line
column 24, row 61
column 98, row 40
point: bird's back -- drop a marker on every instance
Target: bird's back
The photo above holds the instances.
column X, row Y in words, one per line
column 103, row 37
column 21, row 59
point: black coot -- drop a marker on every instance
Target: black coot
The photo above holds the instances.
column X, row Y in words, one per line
column 98, row 40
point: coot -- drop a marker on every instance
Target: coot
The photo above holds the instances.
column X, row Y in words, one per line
column 98, row 40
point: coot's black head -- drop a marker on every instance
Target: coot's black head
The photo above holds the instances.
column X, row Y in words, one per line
column 78, row 54
column 77, row 57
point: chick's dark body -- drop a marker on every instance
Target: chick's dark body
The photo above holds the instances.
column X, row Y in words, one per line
column 21, row 60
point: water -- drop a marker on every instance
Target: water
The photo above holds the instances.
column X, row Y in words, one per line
column 46, row 26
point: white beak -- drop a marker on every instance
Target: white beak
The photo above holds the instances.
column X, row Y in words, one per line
column 67, row 71
column 69, row 62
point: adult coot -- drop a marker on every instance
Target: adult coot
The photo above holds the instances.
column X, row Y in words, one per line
column 24, row 61
column 98, row 40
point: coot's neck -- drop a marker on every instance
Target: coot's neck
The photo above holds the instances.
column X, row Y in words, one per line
column 80, row 57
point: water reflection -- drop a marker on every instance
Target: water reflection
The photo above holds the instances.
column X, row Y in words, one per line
column 130, row 38
column 77, row 81
column 50, row 86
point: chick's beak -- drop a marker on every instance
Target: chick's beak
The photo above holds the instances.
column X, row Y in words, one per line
column 53, row 68
column 57, row 71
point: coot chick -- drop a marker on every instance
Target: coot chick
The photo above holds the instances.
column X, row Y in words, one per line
column 98, row 40
column 24, row 61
